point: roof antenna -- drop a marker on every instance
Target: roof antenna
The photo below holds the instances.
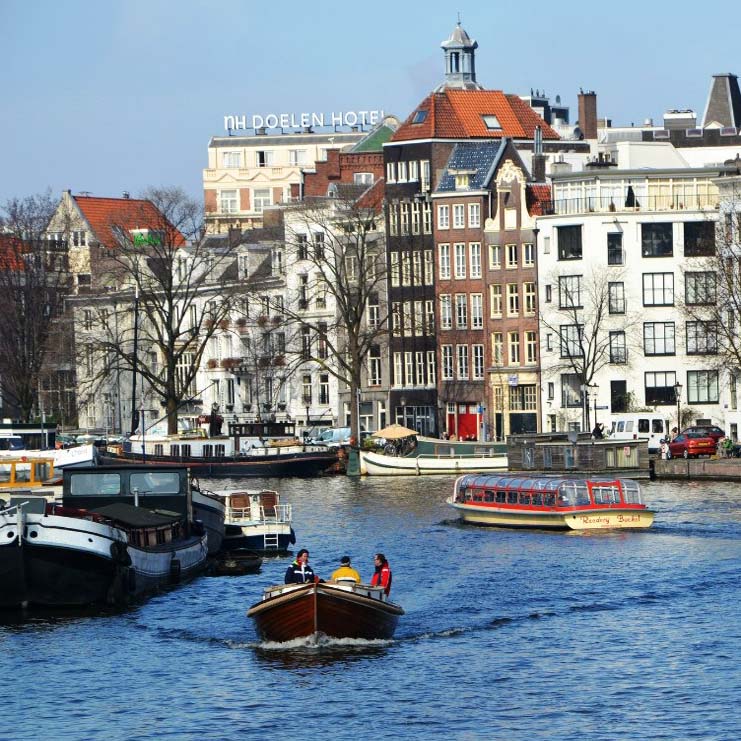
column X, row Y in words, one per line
column 459, row 17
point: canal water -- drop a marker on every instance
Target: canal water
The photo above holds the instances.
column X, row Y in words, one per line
column 507, row 634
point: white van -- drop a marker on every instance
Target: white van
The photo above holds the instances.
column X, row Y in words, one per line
column 647, row 426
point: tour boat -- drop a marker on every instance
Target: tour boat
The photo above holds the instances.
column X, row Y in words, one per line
column 117, row 534
column 265, row 449
column 341, row 609
column 429, row 455
column 21, row 475
column 550, row 502
column 256, row 519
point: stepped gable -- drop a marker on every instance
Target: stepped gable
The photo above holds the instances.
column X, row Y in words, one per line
column 126, row 213
column 458, row 114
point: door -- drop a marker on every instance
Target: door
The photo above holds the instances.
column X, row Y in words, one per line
column 618, row 396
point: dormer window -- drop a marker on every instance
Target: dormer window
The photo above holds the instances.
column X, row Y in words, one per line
column 491, row 122
column 419, row 117
column 463, row 181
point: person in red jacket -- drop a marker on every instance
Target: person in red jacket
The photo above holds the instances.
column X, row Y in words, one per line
column 382, row 577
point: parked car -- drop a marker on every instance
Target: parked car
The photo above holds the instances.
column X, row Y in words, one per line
column 691, row 445
column 337, row 437
column 708, row 430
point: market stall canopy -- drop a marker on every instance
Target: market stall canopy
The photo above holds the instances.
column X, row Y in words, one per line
column 394, row 432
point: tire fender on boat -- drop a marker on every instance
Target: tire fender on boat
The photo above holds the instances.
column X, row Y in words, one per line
column 120, row 553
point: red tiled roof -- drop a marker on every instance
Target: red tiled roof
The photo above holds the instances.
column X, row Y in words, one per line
column 11, row 251
column 537, row 197
column 457, row 114
column 126, row 213
column 373, row 197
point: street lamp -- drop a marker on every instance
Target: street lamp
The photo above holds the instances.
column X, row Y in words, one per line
column 678, row 396
column 585, row 406
column 403, row 403
column 594, row 389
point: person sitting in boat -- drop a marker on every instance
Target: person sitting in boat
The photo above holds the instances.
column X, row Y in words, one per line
column 299, row 572
column 346, row 571
column 382, row 576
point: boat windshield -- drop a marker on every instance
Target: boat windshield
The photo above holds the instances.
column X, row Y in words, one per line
column 631, row 492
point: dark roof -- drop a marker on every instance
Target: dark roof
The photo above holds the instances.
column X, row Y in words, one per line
column 128, row 514
column 724, row 102
column 478, row 157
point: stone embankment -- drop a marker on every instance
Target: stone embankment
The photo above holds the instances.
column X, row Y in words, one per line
column 718, row 469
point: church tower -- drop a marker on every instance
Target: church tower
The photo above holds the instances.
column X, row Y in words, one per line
column 460, row 61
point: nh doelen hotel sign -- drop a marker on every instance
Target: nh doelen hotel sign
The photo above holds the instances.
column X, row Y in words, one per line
column 301, row 120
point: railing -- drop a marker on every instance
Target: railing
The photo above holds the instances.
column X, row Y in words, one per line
column 279, row 514
column 610, row 204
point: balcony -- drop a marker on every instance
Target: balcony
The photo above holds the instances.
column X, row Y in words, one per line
column 610, row 204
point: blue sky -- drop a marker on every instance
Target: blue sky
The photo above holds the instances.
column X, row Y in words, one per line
column 112, row 96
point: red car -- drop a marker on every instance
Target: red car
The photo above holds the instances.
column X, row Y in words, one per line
column 691, row 445
column 707, row 430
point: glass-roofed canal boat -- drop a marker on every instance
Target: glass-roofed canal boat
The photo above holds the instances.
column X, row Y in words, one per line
column 556, row 502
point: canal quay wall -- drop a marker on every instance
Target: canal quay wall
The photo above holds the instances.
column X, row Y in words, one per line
column 709, row 469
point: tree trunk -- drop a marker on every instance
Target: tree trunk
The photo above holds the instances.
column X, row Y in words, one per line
column 172, row 416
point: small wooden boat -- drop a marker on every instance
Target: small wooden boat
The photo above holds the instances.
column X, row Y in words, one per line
column 341, row 609
column 550, row 502
column 235, row 563
column 428, row 455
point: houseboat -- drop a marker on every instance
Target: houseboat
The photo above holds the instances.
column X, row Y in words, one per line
column 250, row 449
column 341, row 609
column 419, row 455
column 117, row 534
column 560, row 503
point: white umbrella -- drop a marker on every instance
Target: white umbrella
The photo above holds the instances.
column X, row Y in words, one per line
column 394, row 432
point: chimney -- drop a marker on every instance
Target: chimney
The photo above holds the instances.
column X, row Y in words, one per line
column 538, row 164
column 126, row 195
column 588, row 114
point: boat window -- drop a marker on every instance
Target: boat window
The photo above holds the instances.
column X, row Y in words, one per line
column 467, row 495
column 95, row 484
column 489, row 496
column 537, row 499
column 549, row 500
column 581, row 494
column 208, row 451
column 511, row 497
column 186, row 450
column 631, row 492
column 159, row 449
column 478, row 495
column 219, row 451
column 524, row 498
column 606, row 494
column 501, row 497
column 159, row 482
column 175, row 451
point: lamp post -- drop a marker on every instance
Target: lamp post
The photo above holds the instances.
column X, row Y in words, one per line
column 678, row 396
column 585, row 407
column 403, row 403
column 595, row 388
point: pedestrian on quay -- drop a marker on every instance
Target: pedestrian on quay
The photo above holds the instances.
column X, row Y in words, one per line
column 299, row 572
column 346, row 571
column 382, row 575
column 597, row 433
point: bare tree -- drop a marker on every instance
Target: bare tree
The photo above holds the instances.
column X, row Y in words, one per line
column 181, row 288
column 336, row 250
column 33, row 281
column 591, row 324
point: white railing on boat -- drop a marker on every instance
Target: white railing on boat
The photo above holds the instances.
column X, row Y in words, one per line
column 280, row 513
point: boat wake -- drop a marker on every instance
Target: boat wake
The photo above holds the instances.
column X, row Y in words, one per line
column 319, row 642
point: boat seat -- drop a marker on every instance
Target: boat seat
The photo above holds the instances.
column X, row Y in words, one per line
column 240, row 500
column 269, row 500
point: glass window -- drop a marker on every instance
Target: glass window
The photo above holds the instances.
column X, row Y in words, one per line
column 444, row 253
column 657, row 240
column 700, row 288
column 528, row 255
column 495, row 256
column 497, row 348
column 514, row 348
column 459, row 216
column 616, row 298
column 443, row 217
column 569, row 242
column 475, row 252
column 699, row 238
column 658, row 338
column 155, row 482
column 478, row 361
column 615, row 248
column 513, row 299
column 495, row 301
column 460, row 260
column 461, row 310
column 569, row 291
column 618, row 348
column 702, row 338
column 446, row 312
column 658, row 289
column 228, row 203
column 511, row 255
column 474, row 215
column 447, row 362
column 261, row 198
column 702, row 387
column 659, row 388
column 571, row 335
column 570, row 390
column 477, row 311
column 462, row 355
column 232, row 159
column 529, row 290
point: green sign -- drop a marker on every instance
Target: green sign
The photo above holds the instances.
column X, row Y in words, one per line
column 147, row 239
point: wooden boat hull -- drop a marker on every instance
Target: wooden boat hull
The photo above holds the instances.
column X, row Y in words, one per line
column 606, row 519
column 376, row 464
column 286, row 464
column 335, row 610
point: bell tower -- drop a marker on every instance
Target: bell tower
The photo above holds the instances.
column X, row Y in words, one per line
column 460, row 61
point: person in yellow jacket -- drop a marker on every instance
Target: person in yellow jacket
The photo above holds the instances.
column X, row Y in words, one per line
column 346, row 571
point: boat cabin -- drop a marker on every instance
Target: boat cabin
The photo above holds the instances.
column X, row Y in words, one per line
column 256, row 506
column 546, row 493
column 24, row 472
column 165, row 491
